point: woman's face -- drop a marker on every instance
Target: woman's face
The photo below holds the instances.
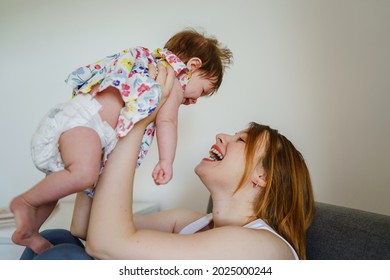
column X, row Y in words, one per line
column 226, row 162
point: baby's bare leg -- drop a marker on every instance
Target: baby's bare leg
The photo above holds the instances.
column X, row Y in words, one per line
column 80, row 150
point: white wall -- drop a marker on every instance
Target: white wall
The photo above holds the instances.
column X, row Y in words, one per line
column 319, row 71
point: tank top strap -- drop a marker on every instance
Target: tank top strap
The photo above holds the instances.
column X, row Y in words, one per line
column 197, row 225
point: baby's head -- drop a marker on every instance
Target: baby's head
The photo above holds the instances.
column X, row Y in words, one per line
column 203, row 55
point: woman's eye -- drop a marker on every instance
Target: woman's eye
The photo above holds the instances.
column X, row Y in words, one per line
column 241, row 139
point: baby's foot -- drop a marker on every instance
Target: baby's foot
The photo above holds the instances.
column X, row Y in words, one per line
column 26, row 233
column 35, row 242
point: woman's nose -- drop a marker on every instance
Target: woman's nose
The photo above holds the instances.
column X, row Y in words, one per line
column 222, row 138
column 218, row 138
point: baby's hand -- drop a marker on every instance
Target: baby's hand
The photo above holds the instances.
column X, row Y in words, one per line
column 162, row 173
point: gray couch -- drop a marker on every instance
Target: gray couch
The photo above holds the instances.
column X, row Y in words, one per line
column 341, row 233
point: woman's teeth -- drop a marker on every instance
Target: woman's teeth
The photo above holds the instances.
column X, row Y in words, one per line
column 215, row 155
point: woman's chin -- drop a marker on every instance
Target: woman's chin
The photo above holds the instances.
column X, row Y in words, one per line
column 206, row 162
column 203, row 167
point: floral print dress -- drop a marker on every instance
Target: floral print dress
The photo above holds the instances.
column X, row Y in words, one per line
column 128, row 72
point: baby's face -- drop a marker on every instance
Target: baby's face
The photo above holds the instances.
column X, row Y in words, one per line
column 197, row 86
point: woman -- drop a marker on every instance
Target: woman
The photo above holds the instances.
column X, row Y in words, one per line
column 262, row 204
column 256, row 173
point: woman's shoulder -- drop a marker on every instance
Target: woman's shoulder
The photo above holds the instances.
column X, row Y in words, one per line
column 273, row 243
column 254, row 243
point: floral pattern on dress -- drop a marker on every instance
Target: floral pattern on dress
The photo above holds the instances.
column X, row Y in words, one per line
column 128, row 72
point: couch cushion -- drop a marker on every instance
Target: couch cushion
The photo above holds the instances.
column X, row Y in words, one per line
column 340, row 233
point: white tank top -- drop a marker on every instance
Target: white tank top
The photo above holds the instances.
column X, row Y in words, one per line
column 256, row 224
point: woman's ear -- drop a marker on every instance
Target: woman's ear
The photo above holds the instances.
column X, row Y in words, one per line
column 259, row 178
column 194, row 63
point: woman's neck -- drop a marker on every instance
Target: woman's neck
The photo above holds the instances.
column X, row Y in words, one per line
column 231, row 211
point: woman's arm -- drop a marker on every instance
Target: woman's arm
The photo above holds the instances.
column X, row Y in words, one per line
column 168, row 221
column 171, row 221
column 112, row 206
column 111, row 215
column 80, row 218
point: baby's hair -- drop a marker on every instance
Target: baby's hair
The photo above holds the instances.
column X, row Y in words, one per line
column 215, row 58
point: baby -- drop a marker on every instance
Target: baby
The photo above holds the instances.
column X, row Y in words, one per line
column 74, row 140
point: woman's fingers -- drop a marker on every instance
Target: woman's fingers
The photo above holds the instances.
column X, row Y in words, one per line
column 161, row 74
column 152, row 71
column 166, row 78
column 170, row 79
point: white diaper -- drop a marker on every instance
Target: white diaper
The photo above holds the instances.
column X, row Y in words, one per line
column 83, row 111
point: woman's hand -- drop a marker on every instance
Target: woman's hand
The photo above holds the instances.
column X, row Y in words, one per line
column 166, row 78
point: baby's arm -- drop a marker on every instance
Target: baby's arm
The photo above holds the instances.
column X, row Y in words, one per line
column 166, row 132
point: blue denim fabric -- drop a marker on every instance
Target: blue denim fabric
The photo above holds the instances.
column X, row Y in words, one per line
column 65, row 247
